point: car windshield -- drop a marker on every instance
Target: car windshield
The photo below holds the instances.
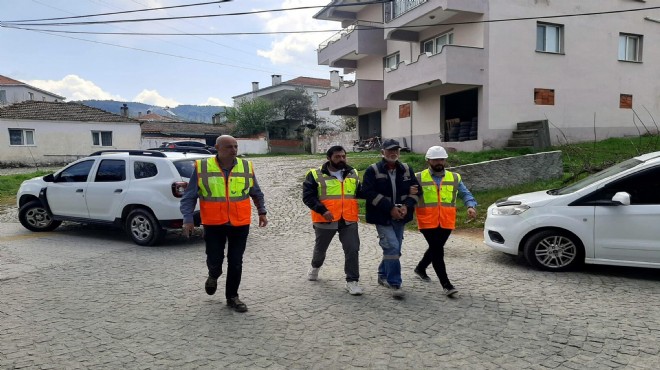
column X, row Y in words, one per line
column 618, row 168
column 185, row 167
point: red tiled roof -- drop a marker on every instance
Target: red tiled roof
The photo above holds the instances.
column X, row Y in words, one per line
column 153, row 117
column 182, row 128
column 59, row 111
column 309, row 81
column 8, row 81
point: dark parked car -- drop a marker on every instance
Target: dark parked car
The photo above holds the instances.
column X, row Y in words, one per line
column 188, row 144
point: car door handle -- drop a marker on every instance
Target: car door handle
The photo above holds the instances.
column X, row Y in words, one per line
column 118, row 190
column 79, row 190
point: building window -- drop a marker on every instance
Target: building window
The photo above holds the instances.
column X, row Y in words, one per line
column 434, row 45
column 544, row 97
column 102, row 138
column 3, row 96
column 630, row 47
column 19, row 136
column 625, row 101
column 31, row 95
column 549, row 37
column 391, row 61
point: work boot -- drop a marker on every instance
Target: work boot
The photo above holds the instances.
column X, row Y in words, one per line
column 236, row 304
column 211, row 285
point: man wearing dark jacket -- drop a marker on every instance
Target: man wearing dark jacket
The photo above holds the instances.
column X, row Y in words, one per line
column 391, row 191
column 331, row 192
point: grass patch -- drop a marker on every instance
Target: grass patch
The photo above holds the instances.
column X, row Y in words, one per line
column 9, row 185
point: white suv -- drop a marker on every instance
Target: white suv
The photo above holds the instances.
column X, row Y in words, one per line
column 138, row 190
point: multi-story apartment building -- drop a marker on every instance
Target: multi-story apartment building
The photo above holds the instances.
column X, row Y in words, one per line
column 590, row 67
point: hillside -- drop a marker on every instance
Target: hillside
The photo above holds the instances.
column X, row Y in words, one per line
column 190, row 113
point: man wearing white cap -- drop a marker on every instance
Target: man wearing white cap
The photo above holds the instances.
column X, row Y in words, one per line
column 436, row 213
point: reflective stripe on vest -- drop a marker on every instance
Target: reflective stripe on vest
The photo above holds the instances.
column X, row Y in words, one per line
column 339, row 197
column 437, row 206
column 380, row 175
column 221, row 201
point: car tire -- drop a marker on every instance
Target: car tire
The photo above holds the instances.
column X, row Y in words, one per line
column 143, row 228
column 554, row 250
column 35, row 217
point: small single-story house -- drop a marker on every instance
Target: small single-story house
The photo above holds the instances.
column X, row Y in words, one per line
column 43, row 132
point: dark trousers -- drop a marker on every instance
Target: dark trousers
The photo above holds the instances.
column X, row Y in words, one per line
column 435, row 254
column 216, row 236
column 350, row 242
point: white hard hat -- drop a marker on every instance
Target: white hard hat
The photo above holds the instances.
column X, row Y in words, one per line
column 436, row 152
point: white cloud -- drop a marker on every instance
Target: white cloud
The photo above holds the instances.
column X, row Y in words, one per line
column 152, row 97
column 214, row 101
column 74, row 88
column 291, row 47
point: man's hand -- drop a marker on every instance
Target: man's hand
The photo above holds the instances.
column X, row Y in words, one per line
column 263, row 221
column 188, row 230
column 414, row 190
column 472, row 213
column 396, row 213
column 403, row 210
column 328, row 216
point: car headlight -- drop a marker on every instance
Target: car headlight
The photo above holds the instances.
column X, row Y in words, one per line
column 509, row 210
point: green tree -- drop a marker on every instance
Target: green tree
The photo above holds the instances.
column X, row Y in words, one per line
column 296, row 105
column 250, row 117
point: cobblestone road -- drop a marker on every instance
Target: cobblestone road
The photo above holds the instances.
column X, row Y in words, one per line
column 84, row 297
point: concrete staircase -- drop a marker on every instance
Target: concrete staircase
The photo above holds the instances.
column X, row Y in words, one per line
column 530, row 135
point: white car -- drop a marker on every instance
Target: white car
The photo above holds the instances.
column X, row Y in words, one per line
column 138, row 190
column 609, row 218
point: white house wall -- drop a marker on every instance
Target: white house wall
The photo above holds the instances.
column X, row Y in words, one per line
column 63, row 141
column 17, row 94
column 587, row 80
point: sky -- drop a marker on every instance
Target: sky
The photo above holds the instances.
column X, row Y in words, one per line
column 160, row 70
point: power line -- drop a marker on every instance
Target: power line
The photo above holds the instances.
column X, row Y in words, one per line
column 122, row 12
column 359, row 27
column 192, row 16
column 157, row 52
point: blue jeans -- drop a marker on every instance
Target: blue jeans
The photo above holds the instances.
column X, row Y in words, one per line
column 390, row 239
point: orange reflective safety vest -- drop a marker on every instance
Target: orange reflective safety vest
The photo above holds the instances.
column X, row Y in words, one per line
column 337, row 196
column 224, row 201
column 437, row 206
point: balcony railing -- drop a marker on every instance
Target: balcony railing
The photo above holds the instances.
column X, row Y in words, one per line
column 356, row 25
column 397, row 8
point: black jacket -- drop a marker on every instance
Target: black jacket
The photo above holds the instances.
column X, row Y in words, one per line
column 377, row 190
column 311, row 189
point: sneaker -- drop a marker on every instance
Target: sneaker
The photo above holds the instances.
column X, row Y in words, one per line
column 353, row 288
column 383, row 281
column 211, row 285
column 451, row 291
column 236, row 304
column 397, row 292
column 313, row 273
column 422, row 274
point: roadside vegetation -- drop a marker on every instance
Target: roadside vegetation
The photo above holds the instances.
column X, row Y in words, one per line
column 9, row 185
column 579, row 161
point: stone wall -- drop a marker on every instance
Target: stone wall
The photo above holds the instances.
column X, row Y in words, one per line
column 343, row 138
column 502, row 173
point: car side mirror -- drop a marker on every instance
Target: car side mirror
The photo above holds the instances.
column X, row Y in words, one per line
column 622, row 198
column 49, row 178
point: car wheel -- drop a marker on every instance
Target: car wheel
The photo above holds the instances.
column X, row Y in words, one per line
column 554, row 250
column 143, row 227
column 34, row 216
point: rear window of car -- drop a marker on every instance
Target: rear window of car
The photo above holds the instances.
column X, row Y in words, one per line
column 185, row 168
column 143, row 170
